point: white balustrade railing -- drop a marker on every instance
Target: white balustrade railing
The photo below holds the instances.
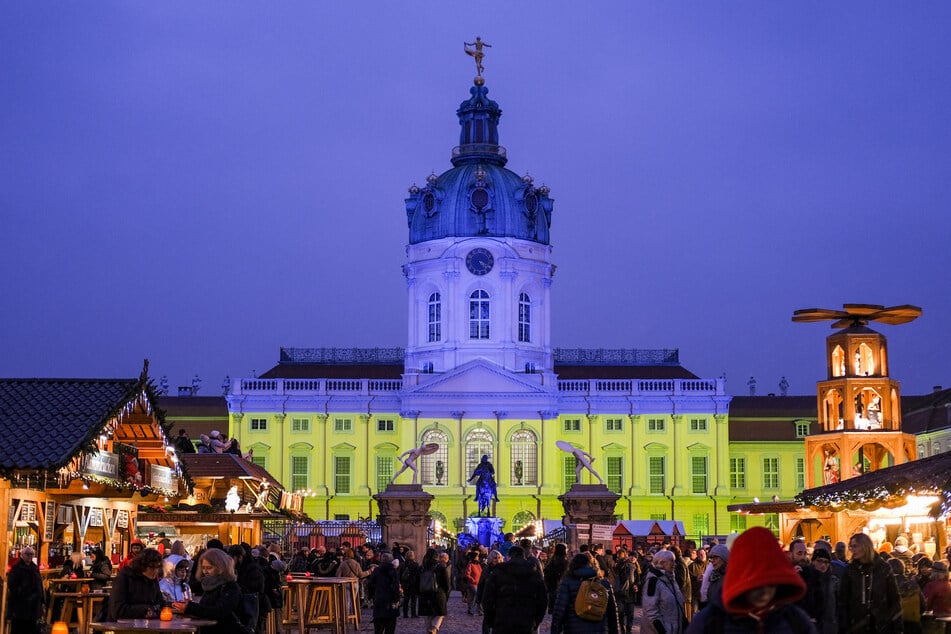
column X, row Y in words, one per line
column 633, row 387
column 315, row 387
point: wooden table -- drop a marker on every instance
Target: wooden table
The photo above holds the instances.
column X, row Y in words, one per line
column 177, row 624
column 313, row 610
column 84, row 602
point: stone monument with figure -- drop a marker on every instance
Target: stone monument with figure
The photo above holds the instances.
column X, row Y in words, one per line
column 586, row 505
column 404, row 508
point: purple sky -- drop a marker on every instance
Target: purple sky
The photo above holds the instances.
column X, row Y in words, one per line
column 202, row 183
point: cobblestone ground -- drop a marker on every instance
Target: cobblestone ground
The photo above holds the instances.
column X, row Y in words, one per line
column 457, row 621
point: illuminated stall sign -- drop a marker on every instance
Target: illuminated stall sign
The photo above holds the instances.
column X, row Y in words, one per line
column 122, row 519
column 163, row 478
column 104, row 464
column 49, row 525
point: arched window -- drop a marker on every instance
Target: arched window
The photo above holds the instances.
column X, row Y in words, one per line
column 524, row 458
column 435, row 466
column 478, row 444
column 524, row 318
column 435, row 318
column 521, row 519
column 479, row 315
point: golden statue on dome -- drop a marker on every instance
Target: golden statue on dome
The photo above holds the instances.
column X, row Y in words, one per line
column 476, row 53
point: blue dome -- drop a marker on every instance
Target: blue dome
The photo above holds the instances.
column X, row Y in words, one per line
column 478, row 196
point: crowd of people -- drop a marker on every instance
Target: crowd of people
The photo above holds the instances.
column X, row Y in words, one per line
column 755, row 584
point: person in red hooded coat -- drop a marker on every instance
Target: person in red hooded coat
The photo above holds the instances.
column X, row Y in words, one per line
column 759, row 591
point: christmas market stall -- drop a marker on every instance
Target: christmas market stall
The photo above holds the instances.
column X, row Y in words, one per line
column 231, row 500
column 912, row 498
column 78, row 458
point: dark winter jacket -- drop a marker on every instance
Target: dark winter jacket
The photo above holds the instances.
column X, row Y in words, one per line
column 409, row 577
column 383, row 585
column 101, row 573
column 434, row 603
column 868, row 599
column 134, row 596
column 24, row 592
column 563, row 617
column 515, row 595
column 217, row 604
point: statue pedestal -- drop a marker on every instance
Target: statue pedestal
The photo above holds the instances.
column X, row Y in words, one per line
column 588, row 506
column 486, row 530
column 404, row 516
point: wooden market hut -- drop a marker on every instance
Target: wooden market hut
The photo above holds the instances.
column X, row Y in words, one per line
column 912, row 498
column 230, row 500
column 650, row 532
column 78, row 457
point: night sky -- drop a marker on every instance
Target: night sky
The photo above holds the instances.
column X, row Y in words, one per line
column 202, row 183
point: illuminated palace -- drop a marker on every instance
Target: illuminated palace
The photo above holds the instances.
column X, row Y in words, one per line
column 479, row 376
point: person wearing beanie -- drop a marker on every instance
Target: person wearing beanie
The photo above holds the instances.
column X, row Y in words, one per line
column 924, row 571
column 902, row 552
column 938, row 591
column 912, row 599
column 827, row 583
column 711, row 586
column 663, row 598
column 868, row 595
column 759, row 591
column 564, row 619
column 383, row 584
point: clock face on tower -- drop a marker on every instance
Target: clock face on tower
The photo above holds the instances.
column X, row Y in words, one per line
column 479, row 261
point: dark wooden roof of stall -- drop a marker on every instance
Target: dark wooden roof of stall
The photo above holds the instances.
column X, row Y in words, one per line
column 44, row 423
column 226, row 466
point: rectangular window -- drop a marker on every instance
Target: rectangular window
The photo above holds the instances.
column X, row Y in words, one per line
column 698, row 474
column 656, row 475
column 772, row 522
column 655, row 424
column 342, row 517
column 568, row 472
column 300, row 479
column 701, row 524
column 384, row 471
column 614, row 424
column 615, row 466
column 658, row 516
column 802, row 429
column 698, row 424
column 300, row 424
column 737, row 473
column 342, row 474
column 800, row 474
column 258, row 424
column 770, row 473
column 385, row 424
column 737, row 523
column 260, row 461
column 572, row 424
column 343, row 424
